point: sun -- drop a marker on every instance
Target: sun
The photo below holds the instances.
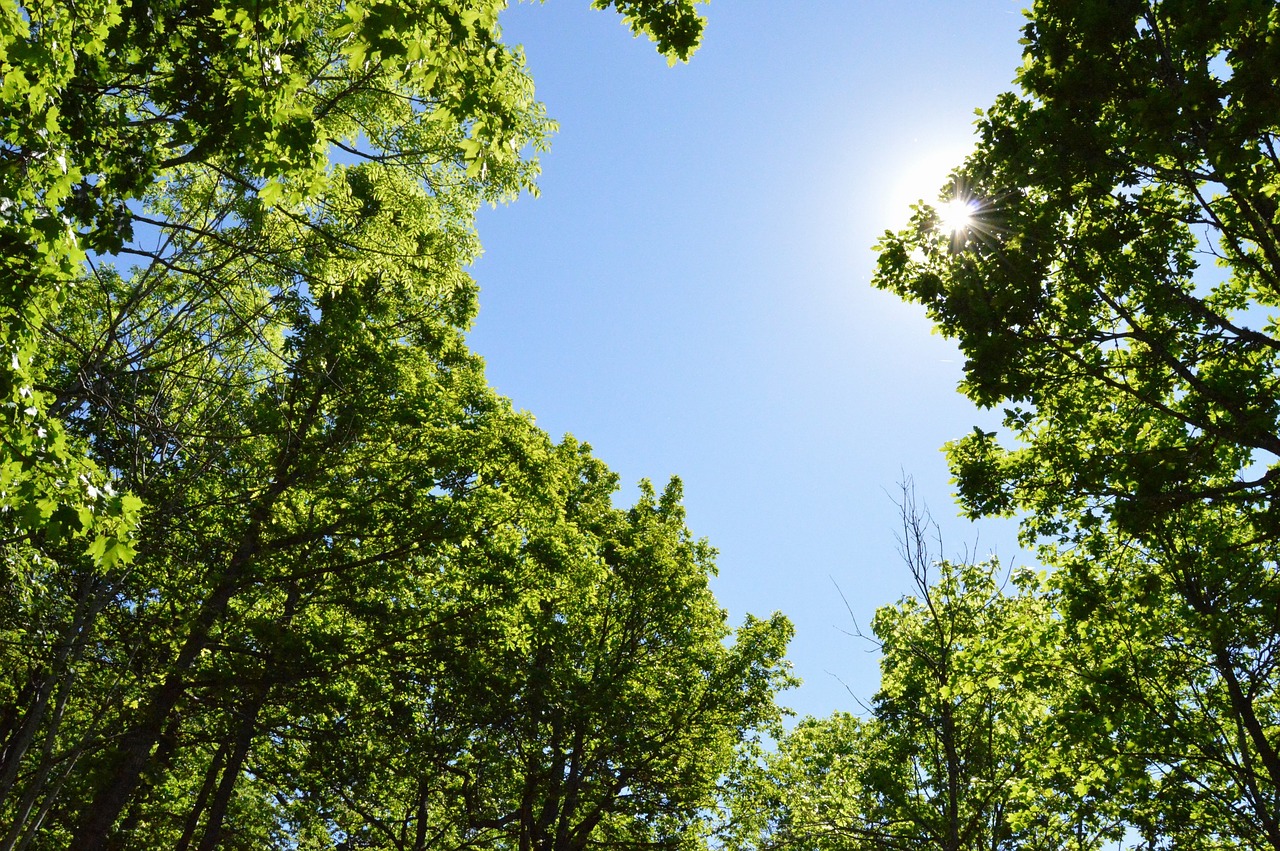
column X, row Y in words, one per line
column 956, row 216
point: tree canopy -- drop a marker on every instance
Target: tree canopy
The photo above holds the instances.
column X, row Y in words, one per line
column 961, row 749
column 281, row 569
column 104, row 105
column 1114, row 294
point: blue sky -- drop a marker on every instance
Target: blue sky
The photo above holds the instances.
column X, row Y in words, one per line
column 691, row 292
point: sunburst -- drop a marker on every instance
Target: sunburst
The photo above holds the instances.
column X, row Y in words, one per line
column 956, row 217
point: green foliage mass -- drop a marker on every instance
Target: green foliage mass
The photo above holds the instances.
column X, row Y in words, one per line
column 961, row 748
column 280, row 569
column 105, row 102
column 1115, row 296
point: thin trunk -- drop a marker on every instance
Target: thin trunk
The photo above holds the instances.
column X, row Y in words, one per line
column 245, row 735
column 420, row 835
column 230, row 776
column 88, row 606
column 533, row 829
column 202, row 798
column 573, row 791
column 1252, row 735
column 33, row 828
column 953, row 776
column 41, row 776
column 134, row 751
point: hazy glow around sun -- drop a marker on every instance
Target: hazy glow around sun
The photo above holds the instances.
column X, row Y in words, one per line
column 918, row 175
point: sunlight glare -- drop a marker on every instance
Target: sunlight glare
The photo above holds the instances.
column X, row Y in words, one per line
column 955, row 216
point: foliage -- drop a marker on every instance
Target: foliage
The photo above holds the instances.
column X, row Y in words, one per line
column 607, row 711
column 1138, row 382
column 962, row 748
column 102, row 102
column 336, row 592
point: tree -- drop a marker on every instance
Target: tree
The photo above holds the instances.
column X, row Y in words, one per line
column 809, row 792
column 962, row 748
column 293, row 480
column 1138, row 383
column 104, row 101
column 351, row 545
column 602, row 715
column 293, row 447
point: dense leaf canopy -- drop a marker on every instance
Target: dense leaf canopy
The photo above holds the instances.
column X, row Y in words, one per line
column 1115, row 296
column 961, row 749
column 280, row 568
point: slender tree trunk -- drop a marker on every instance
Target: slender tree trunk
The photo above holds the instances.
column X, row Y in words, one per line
column 50, row 798
column 1252, row 737
column 202, row 798
column 134, row 752
column 36, row 784
column 420, row 834
column 573, row 792
column 953, row 776
column 245, row 735
column 1253, row 734
column 230, row 776
column 89, row 603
